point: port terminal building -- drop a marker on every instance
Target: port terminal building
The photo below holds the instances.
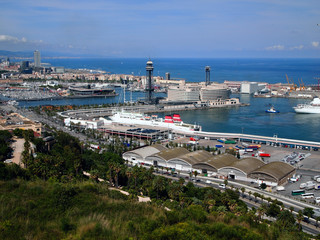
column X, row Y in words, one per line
column 223, row 166
column 194, row 92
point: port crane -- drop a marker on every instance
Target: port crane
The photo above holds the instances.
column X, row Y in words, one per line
column 292, row 85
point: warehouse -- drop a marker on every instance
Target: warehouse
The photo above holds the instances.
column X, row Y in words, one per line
column 161, row 158
column 185, row 162
column 239, row 170
column 139, row 155
column 214, row 163
column 274, row 173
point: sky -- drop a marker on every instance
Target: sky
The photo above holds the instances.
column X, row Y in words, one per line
column 163, row 28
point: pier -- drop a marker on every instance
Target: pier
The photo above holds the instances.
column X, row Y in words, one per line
column 291, row 143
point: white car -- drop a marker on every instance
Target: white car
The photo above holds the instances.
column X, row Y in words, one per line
column 222, row 185
column 317, row 199
column 303, row 185
column 293, row 179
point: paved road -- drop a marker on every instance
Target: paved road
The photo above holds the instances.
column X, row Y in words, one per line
column 309, row 228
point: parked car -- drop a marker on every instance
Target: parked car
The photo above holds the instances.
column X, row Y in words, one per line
column 317, row 199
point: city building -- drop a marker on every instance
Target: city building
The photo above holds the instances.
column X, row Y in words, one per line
column 15, row 120
column 85, row 124
column 214, row 92
column 251, row 87
column 37, row 59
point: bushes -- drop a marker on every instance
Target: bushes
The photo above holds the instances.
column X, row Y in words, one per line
column 12, row 171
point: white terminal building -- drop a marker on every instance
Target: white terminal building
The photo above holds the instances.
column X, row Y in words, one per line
column 251, row 87
column 194, row 92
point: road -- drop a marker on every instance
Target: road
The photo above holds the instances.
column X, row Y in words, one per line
column 308, row 228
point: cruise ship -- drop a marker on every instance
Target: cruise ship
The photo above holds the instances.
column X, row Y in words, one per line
column 171, row 122
column 312, row 107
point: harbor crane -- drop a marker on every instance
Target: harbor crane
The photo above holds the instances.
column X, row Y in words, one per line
column 292, row 86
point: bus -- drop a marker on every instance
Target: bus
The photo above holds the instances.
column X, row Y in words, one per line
column 307, row 195
column 297, row 192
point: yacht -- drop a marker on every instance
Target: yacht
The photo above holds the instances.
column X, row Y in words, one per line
column 312, row 107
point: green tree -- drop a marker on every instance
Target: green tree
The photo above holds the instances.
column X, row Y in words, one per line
column 243, row 191
column 291, row 209
column 286, row 220
column 308, row 212
column 273, row 210
column 263, row 186
column 299, row 218
column 158, row 185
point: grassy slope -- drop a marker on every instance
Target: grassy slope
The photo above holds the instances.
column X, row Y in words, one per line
column 40, row 210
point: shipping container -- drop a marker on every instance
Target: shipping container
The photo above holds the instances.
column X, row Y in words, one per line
column 264, row 155
column 230, row 142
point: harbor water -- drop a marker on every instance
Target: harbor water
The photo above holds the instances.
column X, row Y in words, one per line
column 250, row 119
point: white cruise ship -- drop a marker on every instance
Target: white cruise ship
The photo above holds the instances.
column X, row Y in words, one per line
column 174, row 123
column 312, row 107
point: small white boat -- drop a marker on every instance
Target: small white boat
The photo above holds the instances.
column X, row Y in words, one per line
column 272, row 110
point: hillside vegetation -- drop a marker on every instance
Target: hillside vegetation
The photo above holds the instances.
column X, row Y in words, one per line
column 52, row 199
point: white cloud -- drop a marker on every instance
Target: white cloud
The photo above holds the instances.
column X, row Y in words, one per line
column 297, row 47
column 7, row 38
column 275, row 48
column 315, row 44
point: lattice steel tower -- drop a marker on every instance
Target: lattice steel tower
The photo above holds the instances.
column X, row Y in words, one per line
column 149, row 87
column 207, row 75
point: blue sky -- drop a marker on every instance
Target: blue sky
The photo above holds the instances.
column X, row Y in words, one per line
column 175, row 28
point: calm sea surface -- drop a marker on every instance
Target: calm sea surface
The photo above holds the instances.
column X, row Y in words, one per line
column 249, row 120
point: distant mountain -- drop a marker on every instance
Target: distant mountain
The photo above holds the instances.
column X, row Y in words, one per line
column 4, row 53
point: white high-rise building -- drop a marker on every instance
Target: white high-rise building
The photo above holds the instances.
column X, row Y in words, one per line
column 37, row 58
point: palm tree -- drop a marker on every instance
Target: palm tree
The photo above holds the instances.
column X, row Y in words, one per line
column 250, row 194
column 181, row 181
column 158, row 184
column 256, row 195
column 291, row 209
column 261, row 212
column 243, row 191
column 129, row 175
column 195, row 173
column 117, row 168
column 299, row 218
column 225, row 182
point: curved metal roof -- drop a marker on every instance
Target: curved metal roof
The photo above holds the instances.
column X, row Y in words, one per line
column 221, row 160
column 148, row 150
column 277, row 170
column 168, row 154
column 194, row 157
column 247, row 165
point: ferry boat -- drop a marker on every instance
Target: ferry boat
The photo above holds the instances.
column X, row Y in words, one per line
column 171, row 122
column 312, row 107
column 272, row 110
